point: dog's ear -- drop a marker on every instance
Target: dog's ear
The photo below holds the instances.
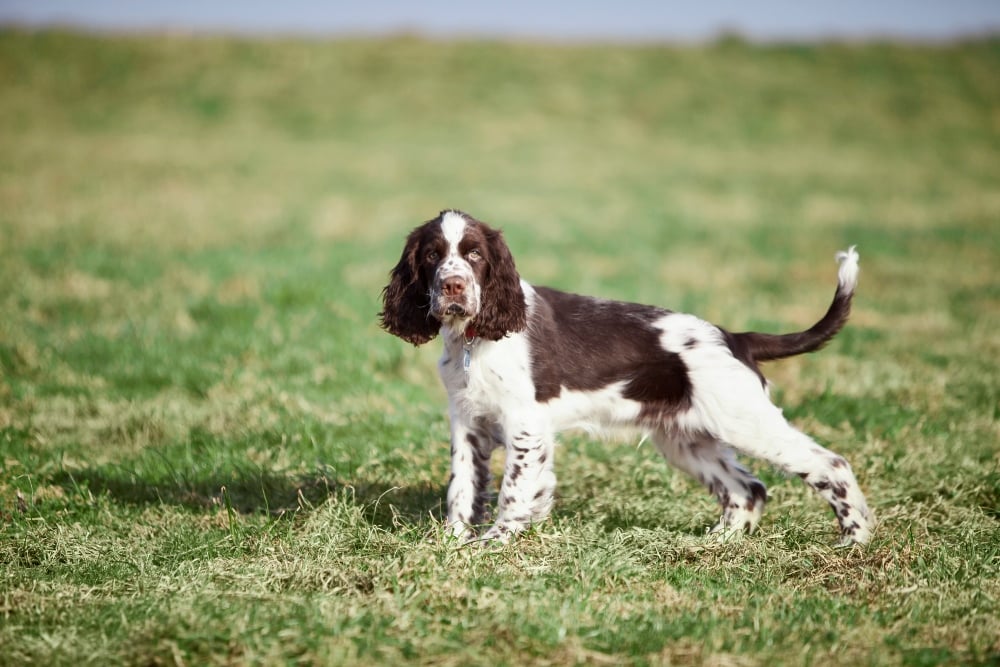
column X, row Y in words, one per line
column 503, row 309
column 406, row 301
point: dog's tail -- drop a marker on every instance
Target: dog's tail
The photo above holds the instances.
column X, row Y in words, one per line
column 767, row 347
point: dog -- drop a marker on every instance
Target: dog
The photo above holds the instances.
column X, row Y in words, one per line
column 522, row 363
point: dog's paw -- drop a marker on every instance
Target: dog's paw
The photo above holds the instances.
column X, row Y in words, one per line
column 857, row 535
column 724, row 535
column 502, row 533
column 735, row 526
column 498, row 534
column 726, row 532
column 461, row 533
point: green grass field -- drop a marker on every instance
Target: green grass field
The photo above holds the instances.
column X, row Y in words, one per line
column 210, row 453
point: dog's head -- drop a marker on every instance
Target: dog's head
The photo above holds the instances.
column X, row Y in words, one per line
column 455, row 272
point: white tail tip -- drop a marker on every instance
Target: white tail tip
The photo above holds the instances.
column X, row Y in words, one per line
column 847, row 276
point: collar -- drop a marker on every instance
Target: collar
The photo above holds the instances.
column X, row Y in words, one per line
column 470, row 334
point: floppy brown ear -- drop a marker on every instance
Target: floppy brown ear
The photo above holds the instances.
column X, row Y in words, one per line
column 406, row 301
column 503, row 309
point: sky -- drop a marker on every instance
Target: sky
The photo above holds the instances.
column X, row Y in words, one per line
column 621, row 20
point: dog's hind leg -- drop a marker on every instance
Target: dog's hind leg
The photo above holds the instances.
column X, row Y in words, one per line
column 825, row 471
column 754, row 426
column 741, row 495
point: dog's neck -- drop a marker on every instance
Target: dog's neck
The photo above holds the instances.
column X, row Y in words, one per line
column 460, row 334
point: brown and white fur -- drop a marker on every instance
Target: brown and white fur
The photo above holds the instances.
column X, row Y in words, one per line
column 522, row 363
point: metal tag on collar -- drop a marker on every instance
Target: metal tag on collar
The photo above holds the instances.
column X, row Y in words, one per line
column 470, row 338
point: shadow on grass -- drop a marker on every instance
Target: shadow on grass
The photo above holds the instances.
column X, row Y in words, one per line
column 255, row 491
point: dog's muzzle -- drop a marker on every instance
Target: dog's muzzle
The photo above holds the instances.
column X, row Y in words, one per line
column 453, row 296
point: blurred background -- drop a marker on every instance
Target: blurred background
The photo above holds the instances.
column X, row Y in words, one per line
column 200, row 203
column 588, row 20
column 229, row 178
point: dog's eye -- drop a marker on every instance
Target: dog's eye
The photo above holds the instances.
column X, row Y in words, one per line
column 474, row 256
column 432, row 256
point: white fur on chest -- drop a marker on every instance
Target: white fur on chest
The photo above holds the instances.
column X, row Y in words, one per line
column 488, row 378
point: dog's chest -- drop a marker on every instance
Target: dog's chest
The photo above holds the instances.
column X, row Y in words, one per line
column 488, row 377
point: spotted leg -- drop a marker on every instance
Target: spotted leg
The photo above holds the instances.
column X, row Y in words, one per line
column 757, row 428
column 741, row 495
column 528, row 485
column 468, row 490
column 829, row 475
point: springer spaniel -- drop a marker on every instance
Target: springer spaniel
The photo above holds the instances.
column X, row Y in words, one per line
column 522, row 362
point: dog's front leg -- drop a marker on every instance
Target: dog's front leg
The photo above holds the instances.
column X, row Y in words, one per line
column 470, row 478
column 528, row 483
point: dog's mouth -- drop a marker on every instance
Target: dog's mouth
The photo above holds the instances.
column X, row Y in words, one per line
column 454, row 311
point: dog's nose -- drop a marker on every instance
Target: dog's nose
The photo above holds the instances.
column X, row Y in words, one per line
column 453, row 286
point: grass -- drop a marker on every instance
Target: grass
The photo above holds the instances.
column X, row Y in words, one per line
column 210, row 454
